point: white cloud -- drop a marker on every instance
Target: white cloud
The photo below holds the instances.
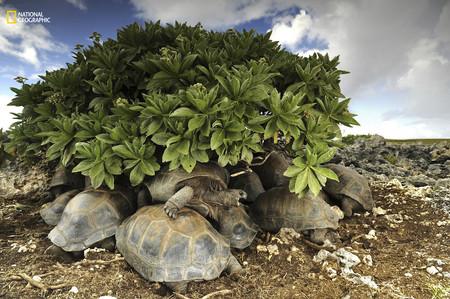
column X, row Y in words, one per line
column 290, row 31
column 27, row 42
column 78, row 4
column 6, row 118
column 211, row 13
column 402, row 47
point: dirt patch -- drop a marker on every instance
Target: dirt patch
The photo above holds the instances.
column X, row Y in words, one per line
column 402, row 245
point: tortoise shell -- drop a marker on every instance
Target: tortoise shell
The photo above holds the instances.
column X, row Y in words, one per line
column 237, row 226
column 249, row 182
column 271, row 170
column 168, row 182
column 89, row 217
column 172, row 250
column 64, row 177
column 278, row 207
column 51, row 212
column 351, row 184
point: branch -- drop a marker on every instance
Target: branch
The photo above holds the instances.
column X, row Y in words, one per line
column 38, row 284
column 217, row 293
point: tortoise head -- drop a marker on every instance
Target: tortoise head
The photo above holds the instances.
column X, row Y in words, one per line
column 237, row 226
column 231, row 197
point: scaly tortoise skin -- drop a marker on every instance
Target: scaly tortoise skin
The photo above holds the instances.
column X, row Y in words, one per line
column 204, row 189
column 174, row 251
column 352, row 192
column 237, row 226
column 278, row 208
column 51, row 212
column 249, row 181
column 90, row 217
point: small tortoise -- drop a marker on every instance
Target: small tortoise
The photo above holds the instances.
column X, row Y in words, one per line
column 237, row 226
column 204, row 189
column 278, row 208
column 352, row 192
column 64, row 180
column 51, row 212
column 248, row 181
column 90, row 217
column 174, row 251
column 270, row 170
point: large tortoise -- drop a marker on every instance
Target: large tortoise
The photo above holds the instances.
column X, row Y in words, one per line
column 270, row 170
column 51, row 212
column 352, row 192
column 174, row 251
column 237, row 226
column 64, row 180
column 247, row 180
column 91, row 217
column 204, row 189
column 278, row 208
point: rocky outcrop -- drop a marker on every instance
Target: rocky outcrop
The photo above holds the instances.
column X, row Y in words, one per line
column 418, row 165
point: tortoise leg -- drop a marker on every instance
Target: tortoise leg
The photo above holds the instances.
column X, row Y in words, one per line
column 233, row 265
column 349, row 206
column 58, row 252
column 108, row 243
column 319, row 235
column 178, row 200
column 177, row 287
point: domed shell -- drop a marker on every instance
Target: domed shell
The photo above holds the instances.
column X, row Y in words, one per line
column 51, row 212
column 168, row 182
column 64, row 177
column 237, row 226
column 172, row 250
column 278, row 207
column 351, row 184
column 90, row 217
column 271, row 170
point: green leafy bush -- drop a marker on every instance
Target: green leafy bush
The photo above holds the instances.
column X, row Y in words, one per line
column 182, row 95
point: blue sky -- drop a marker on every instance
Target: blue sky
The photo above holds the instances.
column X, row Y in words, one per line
column 398, row 58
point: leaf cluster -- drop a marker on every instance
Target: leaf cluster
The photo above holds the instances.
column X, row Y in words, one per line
column 181, row 95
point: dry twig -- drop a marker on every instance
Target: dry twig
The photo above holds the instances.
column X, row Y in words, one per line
column 38, row 284
column 181, row 296
column 217, row 293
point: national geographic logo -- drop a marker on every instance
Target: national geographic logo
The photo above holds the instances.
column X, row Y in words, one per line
column 11, row 17
column 14, row 17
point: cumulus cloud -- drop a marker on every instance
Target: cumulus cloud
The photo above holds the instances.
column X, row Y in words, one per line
column 7, row 118
column 289, row 31
column 27, row 42
column 398, row 47
column 78, row 4
column 211, row 13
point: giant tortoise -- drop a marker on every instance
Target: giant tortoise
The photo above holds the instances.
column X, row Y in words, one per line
column 51, row 212
column 91, row 217
column 204, row 189
column 270, row 170
column 278, row 208
column 352, row 192
column 174, row 251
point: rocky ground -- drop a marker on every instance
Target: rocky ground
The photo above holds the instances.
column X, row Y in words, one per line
column 399, row 250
